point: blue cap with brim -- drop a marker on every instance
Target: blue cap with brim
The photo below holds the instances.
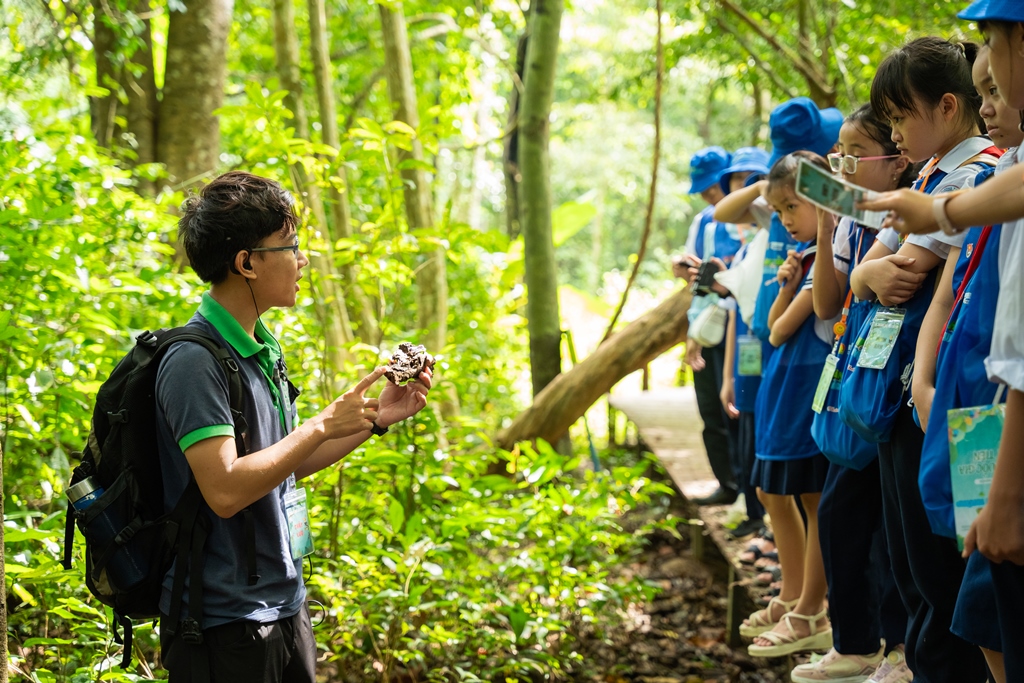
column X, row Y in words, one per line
column 751, row 160
column 706, row 168
column 799, row 124
column 994, row 10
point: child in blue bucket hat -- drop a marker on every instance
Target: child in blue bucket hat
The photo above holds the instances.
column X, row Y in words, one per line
column 753, row 161
column 709, row 239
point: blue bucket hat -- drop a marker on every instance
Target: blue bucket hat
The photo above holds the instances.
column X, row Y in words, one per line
column 994, row 10
column 706, row 168
column 746, row 159
column 799, row 124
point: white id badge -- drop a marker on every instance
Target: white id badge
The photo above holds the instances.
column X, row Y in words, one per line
column 749, row 349
column 298, row 523
column 881, row 339
column 828, row 373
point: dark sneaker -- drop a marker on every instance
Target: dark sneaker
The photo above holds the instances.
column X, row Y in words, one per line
column 720, row 496
column 746, row 528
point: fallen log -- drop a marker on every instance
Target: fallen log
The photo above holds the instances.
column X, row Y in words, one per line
column 571, row 393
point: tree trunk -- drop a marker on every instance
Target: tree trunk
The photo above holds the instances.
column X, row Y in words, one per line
column 3, row 580
column 329, row 305
column 511, row 147
column 567, row 398
column 341, row 215
column 189, row 133
column 103, row 108
column 431, row 276
column 141, row 92
column 542, row 314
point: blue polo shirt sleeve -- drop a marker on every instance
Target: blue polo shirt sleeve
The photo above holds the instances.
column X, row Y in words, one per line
column 192, row 391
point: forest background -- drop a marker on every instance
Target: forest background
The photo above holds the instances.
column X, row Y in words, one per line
column 425, row 140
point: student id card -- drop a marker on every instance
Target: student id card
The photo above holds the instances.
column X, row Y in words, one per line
column 828, row 374
column 974, row 435
column 748, row 348
column 298, row 523
column 881, row 339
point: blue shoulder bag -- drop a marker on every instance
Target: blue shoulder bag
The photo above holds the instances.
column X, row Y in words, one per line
column 870, row 397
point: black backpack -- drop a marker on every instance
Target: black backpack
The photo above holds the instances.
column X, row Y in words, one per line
column 130, row 542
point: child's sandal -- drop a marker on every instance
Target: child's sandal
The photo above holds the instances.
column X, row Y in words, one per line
column 788, row 643
column 761, row 620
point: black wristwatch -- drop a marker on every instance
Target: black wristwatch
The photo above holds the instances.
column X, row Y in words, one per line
column 377, row 430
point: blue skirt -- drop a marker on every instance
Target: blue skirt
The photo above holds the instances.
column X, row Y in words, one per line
column 790, row 477
column 976, row 606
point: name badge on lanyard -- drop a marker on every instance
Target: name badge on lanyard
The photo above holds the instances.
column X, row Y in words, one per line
column 749, row 360
column 882, row 337
column 298, row 523
column 828, row 374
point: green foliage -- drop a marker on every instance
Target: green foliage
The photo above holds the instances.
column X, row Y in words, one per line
column 426, row 561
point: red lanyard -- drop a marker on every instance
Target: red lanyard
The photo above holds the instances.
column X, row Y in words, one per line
column 972, row 267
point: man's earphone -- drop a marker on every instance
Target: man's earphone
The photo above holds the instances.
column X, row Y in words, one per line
column 246, row 264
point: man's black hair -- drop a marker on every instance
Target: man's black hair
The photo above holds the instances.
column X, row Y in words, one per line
column 236, row 211
column 880, row 131
column 927, row 68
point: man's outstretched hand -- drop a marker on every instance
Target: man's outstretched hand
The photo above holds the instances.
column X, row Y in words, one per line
column 398, row 402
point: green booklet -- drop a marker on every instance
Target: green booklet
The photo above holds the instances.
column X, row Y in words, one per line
column 974, row 435
column 823, row 189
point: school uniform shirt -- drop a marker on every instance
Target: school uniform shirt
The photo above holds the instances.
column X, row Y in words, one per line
column 1005, row 363
column 950, row 174
column 783, row 407
column 707, row 239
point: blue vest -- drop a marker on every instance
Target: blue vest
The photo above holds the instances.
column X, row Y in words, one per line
column 723, row 241
column 783, row 407
column 779, row 244
column 960, row 377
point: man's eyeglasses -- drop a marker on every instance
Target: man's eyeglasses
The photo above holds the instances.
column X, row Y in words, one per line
column 847, row 163
column 294, row 248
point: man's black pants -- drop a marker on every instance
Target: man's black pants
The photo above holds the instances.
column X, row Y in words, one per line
column 721, row 434
column 282, row 651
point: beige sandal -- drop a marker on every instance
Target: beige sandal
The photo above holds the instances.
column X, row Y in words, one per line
column 760, row 621
column 788, row 643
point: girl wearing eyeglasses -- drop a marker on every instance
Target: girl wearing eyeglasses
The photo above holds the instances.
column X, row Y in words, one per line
column 926, row 92
column 863, row 602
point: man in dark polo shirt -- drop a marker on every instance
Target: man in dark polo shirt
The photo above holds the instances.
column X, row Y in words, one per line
column 240, row 236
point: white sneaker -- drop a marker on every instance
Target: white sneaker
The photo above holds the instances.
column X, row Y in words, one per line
column 838, row 668
column 893, row 669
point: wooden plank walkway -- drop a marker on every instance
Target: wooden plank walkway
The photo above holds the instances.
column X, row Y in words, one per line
column 669, row 423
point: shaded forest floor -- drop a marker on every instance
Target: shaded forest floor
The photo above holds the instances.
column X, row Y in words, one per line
column 680, row 637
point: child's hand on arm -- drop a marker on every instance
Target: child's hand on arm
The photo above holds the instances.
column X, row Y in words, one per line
column 890, row 279
column 789, row 271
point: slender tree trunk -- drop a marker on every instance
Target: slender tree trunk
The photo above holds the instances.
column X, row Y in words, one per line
column 103, row 108
column 431, row 276
column 341, row 215
column 543, row 319
column 330, row 306
column 3, row 580
column 511, row 149
column 189, row 133
column 142, row 101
